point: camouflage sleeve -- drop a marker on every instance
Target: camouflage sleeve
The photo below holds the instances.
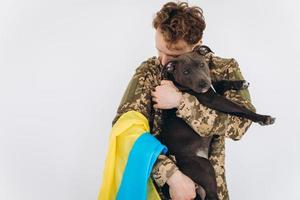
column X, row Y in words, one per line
column 137, row 97
column 163, row 169
column 207, row 122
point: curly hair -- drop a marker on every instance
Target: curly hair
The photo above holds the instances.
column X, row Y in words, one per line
column 179, row 21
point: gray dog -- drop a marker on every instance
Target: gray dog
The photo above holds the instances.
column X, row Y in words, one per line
column 190, row 73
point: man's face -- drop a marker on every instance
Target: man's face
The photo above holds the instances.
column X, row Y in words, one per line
column 174, row 50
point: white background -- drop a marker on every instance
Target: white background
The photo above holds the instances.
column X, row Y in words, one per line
column 64, row 66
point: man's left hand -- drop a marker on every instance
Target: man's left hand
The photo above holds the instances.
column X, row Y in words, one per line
column 166, row 95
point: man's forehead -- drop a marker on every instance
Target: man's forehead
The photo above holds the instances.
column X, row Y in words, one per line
column 178, row 46
column 175, row 49
column 170, row 51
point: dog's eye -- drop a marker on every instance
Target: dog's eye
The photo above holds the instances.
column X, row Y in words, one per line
column 201, row 65
column 186, row 72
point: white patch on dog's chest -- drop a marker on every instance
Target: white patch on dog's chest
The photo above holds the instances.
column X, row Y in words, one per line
column 202, row 153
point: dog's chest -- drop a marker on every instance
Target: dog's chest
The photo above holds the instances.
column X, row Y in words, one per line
column 180, row 138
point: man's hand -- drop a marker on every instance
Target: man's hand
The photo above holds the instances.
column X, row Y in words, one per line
column 166, row 95
column 181, row 187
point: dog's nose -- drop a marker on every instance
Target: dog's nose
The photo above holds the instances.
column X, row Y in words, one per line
column 202, row 84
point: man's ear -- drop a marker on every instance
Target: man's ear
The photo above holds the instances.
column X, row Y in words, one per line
column 202, row 49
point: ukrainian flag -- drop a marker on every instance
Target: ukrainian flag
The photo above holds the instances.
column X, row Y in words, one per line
column 131, row 155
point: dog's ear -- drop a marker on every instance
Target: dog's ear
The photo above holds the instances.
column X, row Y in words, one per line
column 202, row 49
column 170, row 66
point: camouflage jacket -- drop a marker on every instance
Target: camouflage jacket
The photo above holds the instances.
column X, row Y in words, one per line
column 203, row 120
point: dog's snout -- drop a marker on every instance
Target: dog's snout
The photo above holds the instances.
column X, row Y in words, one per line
column 202, row 84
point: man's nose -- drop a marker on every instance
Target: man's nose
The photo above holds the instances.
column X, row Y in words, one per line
column 164, row 60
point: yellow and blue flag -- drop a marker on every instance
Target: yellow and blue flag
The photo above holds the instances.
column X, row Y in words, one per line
column 131, row 155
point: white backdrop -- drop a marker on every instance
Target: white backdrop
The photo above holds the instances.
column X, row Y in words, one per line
column 64, row 66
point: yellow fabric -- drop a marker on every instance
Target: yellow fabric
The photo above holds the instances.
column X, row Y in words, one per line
column 122, row 137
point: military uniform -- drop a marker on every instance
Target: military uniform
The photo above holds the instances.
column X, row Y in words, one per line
column 203, row 120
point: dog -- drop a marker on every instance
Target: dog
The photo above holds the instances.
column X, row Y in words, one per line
column 191, row 73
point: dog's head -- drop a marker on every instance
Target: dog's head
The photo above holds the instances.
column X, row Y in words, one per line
column 190, row 70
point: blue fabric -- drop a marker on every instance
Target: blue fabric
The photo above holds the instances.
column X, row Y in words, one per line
column 139, row 165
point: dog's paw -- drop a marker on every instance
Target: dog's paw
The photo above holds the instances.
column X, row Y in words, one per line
column 268, row 120
column 245, row 85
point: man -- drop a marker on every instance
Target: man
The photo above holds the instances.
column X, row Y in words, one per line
column 179, row 29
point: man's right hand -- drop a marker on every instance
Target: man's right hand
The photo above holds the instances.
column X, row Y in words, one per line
column 181, row 187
